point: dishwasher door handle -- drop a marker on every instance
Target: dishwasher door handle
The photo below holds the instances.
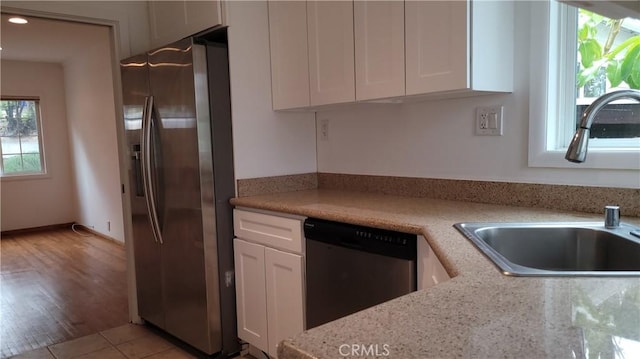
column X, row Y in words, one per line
column 350, row 243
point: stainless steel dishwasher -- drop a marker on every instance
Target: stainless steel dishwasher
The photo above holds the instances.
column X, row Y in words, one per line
column 350, row 268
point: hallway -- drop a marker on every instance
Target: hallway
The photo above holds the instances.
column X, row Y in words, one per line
column 58, row 285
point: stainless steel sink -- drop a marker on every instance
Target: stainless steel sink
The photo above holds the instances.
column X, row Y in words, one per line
column 557, row 249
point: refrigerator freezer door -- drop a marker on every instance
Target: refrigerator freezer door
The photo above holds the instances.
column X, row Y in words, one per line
column 181, row 172
column 135, row 84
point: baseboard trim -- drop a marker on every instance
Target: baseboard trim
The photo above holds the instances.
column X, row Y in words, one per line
column 59, row 226
column 50, row 227
column 98, row 234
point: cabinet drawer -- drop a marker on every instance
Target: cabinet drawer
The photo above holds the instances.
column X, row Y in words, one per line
column 273, row 231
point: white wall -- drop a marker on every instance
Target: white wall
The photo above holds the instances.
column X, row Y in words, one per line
column 132, row 18
column 92, row 133
column 28, row 203
column 266, row 143
column 435, row 139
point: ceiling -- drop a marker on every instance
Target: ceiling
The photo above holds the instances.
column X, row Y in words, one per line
column 45, row 40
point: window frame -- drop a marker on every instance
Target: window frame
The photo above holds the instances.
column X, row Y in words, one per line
column 44, row 173
column 547, row 90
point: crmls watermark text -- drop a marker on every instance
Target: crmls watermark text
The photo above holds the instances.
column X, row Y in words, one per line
column 364, row 350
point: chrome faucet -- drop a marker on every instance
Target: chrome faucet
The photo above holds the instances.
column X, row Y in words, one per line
column 577, row 151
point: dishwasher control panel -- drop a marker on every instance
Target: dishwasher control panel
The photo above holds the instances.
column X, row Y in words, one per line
column 388, row 238
column 373, row 240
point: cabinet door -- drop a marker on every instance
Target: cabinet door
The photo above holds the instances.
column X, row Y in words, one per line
column 251, row 301
column 331, row 52
column 437, row 49
column 379, row 49
column 285, row 296
column 173, row 20
column 289, row 55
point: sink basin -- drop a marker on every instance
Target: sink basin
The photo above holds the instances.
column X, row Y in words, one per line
column 557, row 249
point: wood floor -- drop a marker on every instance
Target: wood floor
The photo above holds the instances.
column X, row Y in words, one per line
column 58, row 285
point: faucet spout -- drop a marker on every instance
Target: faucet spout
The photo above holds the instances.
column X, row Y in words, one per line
column 577, row 151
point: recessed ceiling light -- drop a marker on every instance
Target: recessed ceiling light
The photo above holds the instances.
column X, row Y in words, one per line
column 18, row 20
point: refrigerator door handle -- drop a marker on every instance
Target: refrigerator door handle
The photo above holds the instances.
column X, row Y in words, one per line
column 147, row 181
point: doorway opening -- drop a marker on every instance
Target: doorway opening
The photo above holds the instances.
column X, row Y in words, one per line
column 69, row 68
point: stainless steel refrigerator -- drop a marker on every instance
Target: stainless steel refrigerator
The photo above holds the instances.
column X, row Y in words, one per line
column 177, row 119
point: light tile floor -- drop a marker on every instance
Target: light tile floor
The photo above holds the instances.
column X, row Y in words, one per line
column 129, row 341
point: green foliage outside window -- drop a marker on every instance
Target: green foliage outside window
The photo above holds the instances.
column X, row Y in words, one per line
column 620, row 64
column 28, row 162
column 18, row 118
column 19, row 137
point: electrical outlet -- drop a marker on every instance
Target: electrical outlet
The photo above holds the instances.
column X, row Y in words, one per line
column 324, row 129
column 489, row 121
column 109, row 226
column 483, row 123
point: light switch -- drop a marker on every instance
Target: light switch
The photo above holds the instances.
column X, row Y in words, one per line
column 493, row 120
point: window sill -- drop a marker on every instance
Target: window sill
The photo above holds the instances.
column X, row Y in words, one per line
column 25, row 177
column 596, row 159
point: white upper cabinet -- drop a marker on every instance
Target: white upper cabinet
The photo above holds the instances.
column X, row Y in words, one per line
column 379, row 49
column 289, row 55
column 174, row 20
column 454, row 46
column 331, row 52
column 388, row 50
column 437, row 51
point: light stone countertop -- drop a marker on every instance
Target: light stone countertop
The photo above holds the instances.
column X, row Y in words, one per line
column 479, row 313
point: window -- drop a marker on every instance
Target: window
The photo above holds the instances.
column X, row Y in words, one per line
column 608, row 58
column 588, row 55
column 20, row 137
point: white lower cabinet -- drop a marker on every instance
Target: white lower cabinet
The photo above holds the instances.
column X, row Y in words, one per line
column 251, row 293
column 269, row 281
column 285, row 307
column 430, row 270
column 270, row 278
